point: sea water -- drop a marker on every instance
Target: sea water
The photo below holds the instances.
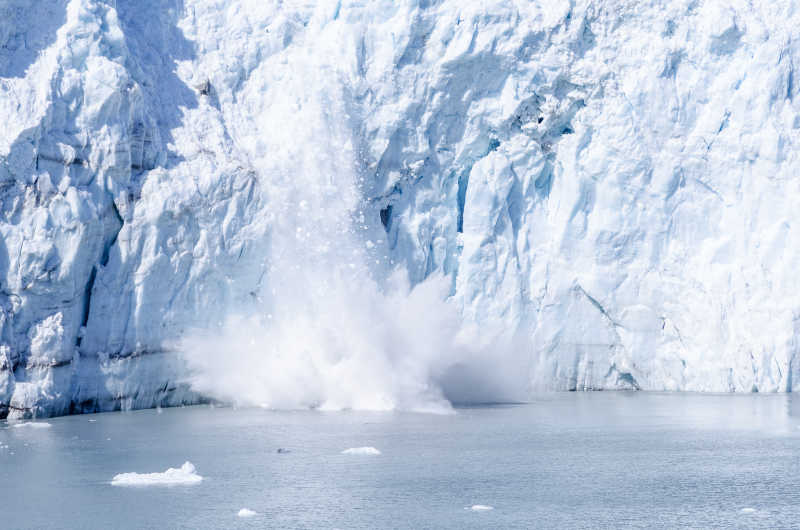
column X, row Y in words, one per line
column 566, row 460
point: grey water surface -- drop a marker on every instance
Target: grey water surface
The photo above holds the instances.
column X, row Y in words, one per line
column 566, row 460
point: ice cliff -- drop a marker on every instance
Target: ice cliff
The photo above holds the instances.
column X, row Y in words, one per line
column 615, row 182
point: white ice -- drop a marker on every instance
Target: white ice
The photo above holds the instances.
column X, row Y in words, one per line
column 185, row 475
column 361, row 451
column 479, row 508
column 245, row 512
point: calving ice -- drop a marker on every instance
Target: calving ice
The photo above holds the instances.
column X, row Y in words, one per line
column 393, row 205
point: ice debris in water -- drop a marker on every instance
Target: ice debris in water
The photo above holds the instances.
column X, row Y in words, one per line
column 747, row 510
column 33, row 425
column 184, row 475
column 245, row 512
column 479, row 508
column 361, row 451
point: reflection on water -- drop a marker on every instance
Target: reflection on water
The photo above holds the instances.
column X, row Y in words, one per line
column 564, row 460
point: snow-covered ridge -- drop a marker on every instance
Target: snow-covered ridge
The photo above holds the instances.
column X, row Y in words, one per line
column 611, row 183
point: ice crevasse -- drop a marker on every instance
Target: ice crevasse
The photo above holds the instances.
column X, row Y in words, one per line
column 616, row 182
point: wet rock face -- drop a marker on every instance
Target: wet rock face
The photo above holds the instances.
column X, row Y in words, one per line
column 616, row 182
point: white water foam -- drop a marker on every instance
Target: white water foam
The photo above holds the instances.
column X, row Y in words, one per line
column 185, row 475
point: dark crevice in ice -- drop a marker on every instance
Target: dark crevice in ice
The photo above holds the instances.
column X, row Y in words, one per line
column 624, row 379
column 463, row 181
column 87, row 304
column 596, row 304
column 386, row 217
column 463, row 184
column 104, row 257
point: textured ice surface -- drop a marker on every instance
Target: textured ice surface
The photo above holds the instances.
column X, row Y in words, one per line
column 171, row 477
column 612, row 184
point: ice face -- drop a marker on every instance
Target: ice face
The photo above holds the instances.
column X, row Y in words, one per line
column 608, row 189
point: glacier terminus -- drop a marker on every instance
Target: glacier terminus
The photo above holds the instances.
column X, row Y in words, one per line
column 267, row 202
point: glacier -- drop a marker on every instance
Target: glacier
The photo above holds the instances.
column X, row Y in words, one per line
column 395, row 204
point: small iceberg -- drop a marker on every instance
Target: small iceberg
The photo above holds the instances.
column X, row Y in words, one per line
column 33, row 425
column 747, row 510
column 244, row 512
column 361, row 451
column 171, row 477
column 479, row 508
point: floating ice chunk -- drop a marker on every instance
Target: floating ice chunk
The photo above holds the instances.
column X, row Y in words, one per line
column 747, row 510
column 184, row 475
column 361, row 451
column 479, row 508
column 33, row 425
column 92, row 421
column 245, row 512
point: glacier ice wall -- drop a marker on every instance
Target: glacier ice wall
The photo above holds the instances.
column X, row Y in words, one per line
column 612, row 181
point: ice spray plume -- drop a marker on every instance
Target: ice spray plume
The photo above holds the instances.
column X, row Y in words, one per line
column 338, row 327
column 352, row 345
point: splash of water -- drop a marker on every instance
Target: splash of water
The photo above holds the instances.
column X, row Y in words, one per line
column 338, row 327
column 352, row 345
